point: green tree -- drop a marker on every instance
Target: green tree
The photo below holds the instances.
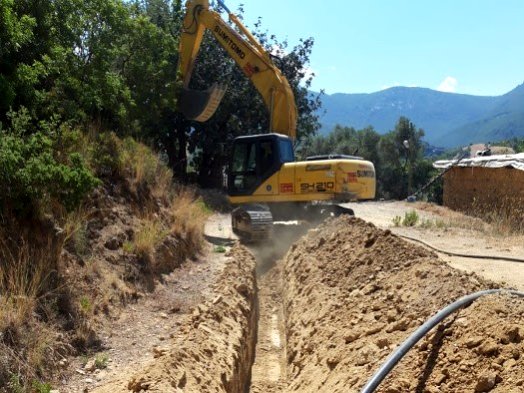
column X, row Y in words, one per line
column 396, row 163
column 402, row 153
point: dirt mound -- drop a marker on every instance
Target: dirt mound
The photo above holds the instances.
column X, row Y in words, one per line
column 355, row 292
column 214, row 348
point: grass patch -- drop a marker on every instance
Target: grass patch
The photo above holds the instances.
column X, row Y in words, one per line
column 41, row 387
column 505, row 218
column 410, row 219
column 28, row 290
column 101, row 361
column 220, row 249
column 85, row 305
column 150, row 235
column 397, row 220
column 188, row 216
column 74, row 224
column 429, row 223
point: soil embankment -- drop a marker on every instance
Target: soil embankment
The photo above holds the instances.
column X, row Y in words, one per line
column 213, row 349
column 330, row 312
column 355, row 292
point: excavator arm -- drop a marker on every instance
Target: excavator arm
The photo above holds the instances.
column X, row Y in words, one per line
column 248, row 54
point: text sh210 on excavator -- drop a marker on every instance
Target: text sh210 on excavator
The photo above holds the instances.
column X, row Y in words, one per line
column 265, row 183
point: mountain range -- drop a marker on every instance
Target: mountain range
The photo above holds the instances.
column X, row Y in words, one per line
column 448, row 119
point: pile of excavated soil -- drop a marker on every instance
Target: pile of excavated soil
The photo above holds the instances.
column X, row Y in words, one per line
column 354, row 292
column 213, row 349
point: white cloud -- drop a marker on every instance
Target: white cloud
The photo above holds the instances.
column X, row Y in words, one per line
column 448, row 85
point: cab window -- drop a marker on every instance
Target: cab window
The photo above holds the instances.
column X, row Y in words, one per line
column 286, row 150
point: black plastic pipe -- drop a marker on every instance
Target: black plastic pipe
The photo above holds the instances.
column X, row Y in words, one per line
column 458, row 254
column 410, row 342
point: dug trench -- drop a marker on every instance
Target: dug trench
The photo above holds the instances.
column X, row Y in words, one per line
column 327, row 314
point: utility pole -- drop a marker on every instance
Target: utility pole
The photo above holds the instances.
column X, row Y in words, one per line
column 410, row 167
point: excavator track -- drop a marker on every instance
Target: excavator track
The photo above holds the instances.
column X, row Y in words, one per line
column 252, row 223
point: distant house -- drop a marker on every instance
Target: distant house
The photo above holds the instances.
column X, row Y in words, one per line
column 484, row 183
column 495, row 150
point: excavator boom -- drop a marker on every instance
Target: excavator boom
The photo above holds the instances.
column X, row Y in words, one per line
column 248, row 54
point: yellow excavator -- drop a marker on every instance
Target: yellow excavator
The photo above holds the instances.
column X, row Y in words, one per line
column 264, row 181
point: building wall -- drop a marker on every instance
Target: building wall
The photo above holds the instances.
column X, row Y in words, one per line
column 474, row 189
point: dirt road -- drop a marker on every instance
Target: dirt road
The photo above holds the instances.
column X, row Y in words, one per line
column 455, row 232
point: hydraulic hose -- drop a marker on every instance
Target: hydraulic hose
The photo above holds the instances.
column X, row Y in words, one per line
column 457, row 254
column 399, row 353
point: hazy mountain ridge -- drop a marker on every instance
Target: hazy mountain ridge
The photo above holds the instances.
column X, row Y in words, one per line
column 448, row 119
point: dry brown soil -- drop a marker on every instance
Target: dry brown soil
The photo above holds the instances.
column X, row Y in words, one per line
column 331, row 306
column 459, row 233
column 354, row 292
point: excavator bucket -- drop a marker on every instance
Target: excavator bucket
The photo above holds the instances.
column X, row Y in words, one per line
column 200, row 105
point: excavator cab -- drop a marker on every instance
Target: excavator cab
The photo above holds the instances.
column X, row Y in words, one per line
column 254, row 159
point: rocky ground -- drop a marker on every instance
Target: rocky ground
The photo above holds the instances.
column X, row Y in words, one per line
column 139, row 331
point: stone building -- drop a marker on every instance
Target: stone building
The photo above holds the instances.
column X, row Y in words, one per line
column 479, row 184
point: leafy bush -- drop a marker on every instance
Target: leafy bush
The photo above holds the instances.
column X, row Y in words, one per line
column 31, row 173
column 105, row 154
column 410, row 218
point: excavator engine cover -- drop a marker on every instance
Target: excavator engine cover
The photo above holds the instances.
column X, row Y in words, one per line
column 200, row 105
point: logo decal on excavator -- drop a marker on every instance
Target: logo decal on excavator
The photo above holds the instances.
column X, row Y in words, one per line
column 317, row 187
column 249, row 70
column 229, row 42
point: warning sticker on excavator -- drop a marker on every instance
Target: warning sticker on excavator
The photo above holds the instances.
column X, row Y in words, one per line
column 249, row 70
column 352, row 177
column 286, row 187
column 367, row 173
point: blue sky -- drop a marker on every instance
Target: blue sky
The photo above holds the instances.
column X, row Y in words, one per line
column 462, row 46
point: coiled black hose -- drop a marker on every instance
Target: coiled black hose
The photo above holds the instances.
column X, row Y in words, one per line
column 399, row 353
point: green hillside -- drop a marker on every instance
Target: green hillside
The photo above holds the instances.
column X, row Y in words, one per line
column 448, row 119
column 504, row 121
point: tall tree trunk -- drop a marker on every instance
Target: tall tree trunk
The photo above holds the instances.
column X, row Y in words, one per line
column 176, row 150
column 181, row 158
column 210, row 175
